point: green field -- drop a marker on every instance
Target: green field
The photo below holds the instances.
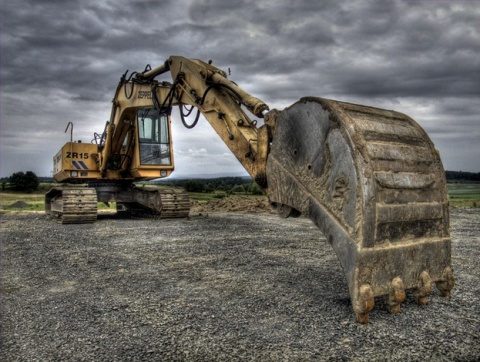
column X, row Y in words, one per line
column 17, row 201
column 465, row 195
column 35, row 201
column 26, row 202
column 13, row 202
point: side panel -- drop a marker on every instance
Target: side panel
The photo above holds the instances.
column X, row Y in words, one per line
column 76, row 161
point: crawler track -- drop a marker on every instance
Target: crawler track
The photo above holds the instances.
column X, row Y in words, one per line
column 78, row 205
column 72, row 205
column 175, row 204
column 162, row 204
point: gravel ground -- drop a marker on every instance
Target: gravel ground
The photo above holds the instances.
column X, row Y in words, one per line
column 217, row 287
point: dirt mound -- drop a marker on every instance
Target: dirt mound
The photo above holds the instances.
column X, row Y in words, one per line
column 18, row 205
column 232, row 204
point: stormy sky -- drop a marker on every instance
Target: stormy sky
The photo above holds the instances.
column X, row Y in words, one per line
column 61, row 62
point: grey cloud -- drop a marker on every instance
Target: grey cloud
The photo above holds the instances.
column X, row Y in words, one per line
column 62, row 60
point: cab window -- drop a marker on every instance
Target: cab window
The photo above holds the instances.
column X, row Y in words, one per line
column 153, row 137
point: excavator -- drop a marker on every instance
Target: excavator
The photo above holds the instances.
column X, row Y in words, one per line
column 370, row 179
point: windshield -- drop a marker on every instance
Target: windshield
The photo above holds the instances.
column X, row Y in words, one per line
column 153, row 137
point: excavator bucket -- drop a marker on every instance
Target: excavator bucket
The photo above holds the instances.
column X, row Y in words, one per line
column 373, row 182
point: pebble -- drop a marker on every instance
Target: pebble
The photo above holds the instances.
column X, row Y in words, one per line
column 230, row 287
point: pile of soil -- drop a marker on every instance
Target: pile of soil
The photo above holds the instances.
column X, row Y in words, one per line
column 232, row 204
column 18, row 205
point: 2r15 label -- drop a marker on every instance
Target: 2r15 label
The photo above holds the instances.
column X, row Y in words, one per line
column 81, row 155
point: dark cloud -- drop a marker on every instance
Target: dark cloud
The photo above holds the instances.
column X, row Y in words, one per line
column 61, row 61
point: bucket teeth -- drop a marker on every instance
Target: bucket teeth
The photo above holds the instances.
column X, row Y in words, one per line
column 396, row 295
column 373, row 183
column 364, row 303
column 447, row 283
column 422, row 293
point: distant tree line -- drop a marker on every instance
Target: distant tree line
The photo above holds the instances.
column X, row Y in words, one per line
column 40, row 178
column 226, row 184
column 28, row 182
column 22, row 181
column 462, row 176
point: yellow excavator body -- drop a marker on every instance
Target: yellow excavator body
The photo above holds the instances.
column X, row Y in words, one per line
column 370, row 179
